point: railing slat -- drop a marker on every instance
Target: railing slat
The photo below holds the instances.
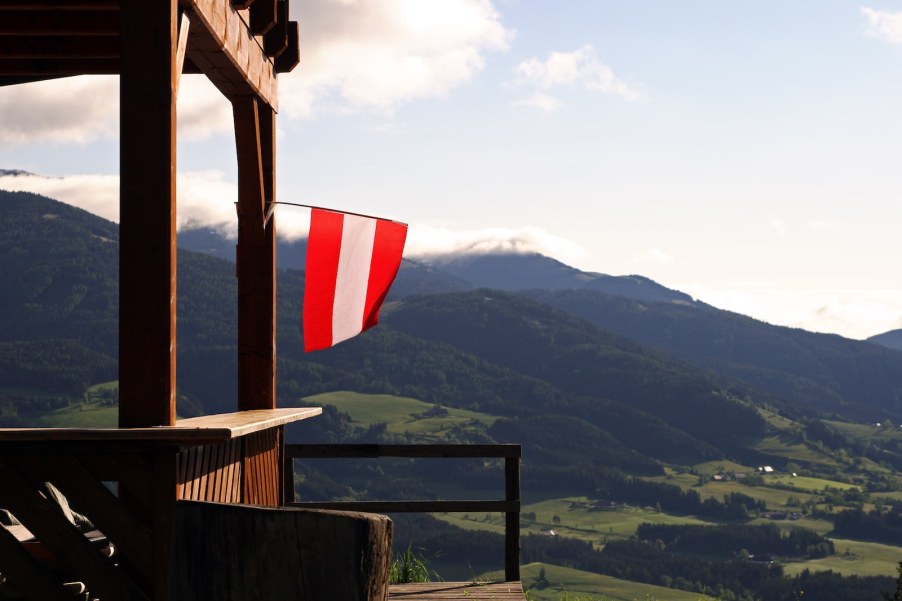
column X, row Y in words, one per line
column 510, row 506
column 413, row 506
column 373, row 451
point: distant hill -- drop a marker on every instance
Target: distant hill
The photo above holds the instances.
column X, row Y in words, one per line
column 802, row 370
column 891, row 339
column 525, row 271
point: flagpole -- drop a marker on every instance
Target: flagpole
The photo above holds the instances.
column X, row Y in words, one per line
column 294, row 204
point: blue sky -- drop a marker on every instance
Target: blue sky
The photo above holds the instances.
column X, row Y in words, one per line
column 745, row 152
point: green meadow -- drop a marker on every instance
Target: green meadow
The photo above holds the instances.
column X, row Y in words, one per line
column 853, row 558
column 567, row 584
column 402, row 415
column 82, row 415
column 574, row 520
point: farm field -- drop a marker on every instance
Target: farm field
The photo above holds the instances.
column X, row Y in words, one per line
column 402, row 415
column 594, row 526
column 807, row 483
column 586, row 586
column 82, row 415
column 788, row 446
column 863, row 559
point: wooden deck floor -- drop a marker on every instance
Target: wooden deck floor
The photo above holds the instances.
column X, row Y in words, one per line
column 457, row 591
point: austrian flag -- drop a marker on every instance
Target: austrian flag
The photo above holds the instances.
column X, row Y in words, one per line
column 352, row 261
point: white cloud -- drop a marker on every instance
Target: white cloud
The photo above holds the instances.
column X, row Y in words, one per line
column 653, row 255
column 202, row 110
column 819, row 225
column 580, row 67
column 98, row 194
column 79, row 110
column 71, row 110
column 425, row 240
column 356, row 55
column 854, row 314
column 379, row 54
column 543, row 102
column 204, row 197
column 884, row 25
column 780, row 225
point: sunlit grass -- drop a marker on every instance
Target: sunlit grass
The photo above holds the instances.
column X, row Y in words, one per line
column 863, row 559
column 575, row 585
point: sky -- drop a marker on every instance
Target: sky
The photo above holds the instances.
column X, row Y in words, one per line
column 747, row 153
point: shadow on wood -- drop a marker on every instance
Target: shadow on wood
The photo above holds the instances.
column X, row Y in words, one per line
column 247, row 552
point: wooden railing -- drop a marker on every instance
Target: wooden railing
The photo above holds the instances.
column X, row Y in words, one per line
column 510, row 505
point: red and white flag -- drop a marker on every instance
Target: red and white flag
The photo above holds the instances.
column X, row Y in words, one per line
column 351, row 263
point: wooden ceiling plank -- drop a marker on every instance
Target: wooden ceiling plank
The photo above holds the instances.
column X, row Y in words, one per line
column 67, row 23
column 45, row 5
column 57, row 67
column 59, row 47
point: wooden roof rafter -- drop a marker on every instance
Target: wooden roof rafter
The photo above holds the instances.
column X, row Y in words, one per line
column 240, row 46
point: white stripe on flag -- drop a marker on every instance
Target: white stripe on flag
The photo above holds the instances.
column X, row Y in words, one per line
column 357, row 237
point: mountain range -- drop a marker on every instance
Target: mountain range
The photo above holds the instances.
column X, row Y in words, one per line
column 646, row 372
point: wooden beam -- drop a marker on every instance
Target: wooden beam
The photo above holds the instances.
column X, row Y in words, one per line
column 256, row 260
column 103, row 508
column 49, row 68
column 276, row 40
column 182, row 47
column 50, row 526
column 225, row 50
column 25, row 574
column 242, row 4
column 44, row 5
column 263, row 16
column 59, row 47
column 147, row 255
column 29, row 22
column 291, row 56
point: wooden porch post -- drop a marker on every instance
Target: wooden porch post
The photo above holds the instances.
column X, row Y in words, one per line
column 147, row 256
column 256, row 260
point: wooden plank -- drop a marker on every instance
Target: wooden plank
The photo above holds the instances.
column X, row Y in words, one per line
column 59, row 23
column 275, row 42
column 67, row 5
column 256, row 256
column 162, row 508
column 147, row 249
column 47, row 522
column 208, row 428
column 182, row 479
column 512, row 519
column 234, row 495
column 291, row 56
column 59, row 47
column 263, row 16
column 203, row 471
column 25, row 573
column 457, row 591
column 349, row 561
column 93, row 498
column 413, row 506
column 58, row 67
column 196, row 470
column 338, row 451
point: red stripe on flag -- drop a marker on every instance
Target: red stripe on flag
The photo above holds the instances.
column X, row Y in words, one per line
column 323, row 249
column 387, row 250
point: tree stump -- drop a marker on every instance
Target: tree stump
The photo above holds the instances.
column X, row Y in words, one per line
column 246, row 552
